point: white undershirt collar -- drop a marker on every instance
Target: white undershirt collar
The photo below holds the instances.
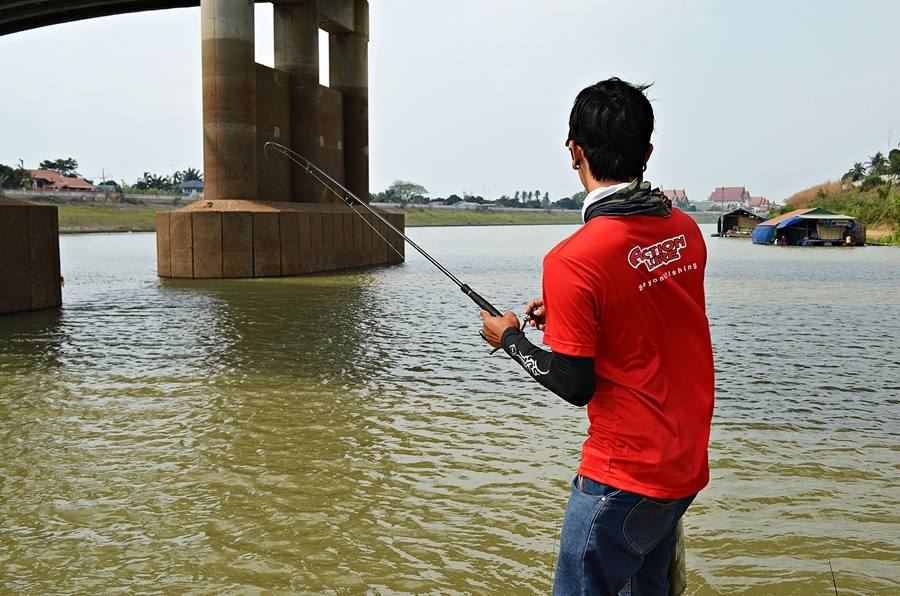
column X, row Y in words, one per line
column 598, row 194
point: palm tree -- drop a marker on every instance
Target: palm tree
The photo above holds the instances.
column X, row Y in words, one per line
column 894, row 161
column 191, row 174
column 877, row 164
column 857, row 172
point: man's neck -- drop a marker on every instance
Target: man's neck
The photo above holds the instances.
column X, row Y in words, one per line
column 592, row 184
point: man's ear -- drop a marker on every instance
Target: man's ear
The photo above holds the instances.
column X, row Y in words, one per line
column 578, row 160
column 649, row 153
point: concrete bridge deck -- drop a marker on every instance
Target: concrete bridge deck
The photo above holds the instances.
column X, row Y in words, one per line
column 21, row 15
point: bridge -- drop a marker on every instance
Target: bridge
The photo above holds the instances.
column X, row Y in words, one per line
column 261, row 216
column 21, row 15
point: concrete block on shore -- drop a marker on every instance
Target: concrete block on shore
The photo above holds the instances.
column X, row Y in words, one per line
column 266, row 245
column 15, row 274
column 182, row 244
column 216, row 239
column 304, row 244
column 328, row 260
column 207, row 240
column 290, row 242
column 29, row 257
column 315, row 255
column 163, row 246
column 43, row 258
column 237, row 244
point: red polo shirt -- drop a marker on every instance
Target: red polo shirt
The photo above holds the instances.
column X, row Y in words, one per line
column 628, row 291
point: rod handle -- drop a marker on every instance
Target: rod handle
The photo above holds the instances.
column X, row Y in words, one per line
column 477, row 299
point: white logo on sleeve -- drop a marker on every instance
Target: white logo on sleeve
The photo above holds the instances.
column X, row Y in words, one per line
column 657, row 255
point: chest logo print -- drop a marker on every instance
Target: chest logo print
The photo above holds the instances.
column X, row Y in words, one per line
column 659, row 254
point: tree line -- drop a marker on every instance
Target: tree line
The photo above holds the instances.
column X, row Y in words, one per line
column 405, row 192
column 870, row 172
column 14, row 177
column 149, row 182
column 20, row 178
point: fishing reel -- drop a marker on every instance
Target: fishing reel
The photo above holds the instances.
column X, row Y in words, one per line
column 525, row 320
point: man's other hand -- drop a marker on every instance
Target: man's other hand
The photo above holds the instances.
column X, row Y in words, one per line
column 535, row 308
column 493, row 327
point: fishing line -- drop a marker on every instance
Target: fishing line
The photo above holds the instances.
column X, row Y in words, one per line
column 366, row 221
column 348, row 198
column 833, row 581
column 553, row 557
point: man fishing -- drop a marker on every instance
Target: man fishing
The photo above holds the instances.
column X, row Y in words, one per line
column 623, row 311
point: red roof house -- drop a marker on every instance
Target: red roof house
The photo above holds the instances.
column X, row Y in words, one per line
column 759, row 204
column 726, row 195
column 50, row 180
column 676, row 195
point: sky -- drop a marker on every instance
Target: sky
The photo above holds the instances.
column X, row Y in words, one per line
column 474, row 95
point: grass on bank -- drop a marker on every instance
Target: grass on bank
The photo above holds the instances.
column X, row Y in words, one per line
column 107, row 218
column 435, row 217
column 141, row 218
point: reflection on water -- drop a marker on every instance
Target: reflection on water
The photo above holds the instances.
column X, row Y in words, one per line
column 349, row 431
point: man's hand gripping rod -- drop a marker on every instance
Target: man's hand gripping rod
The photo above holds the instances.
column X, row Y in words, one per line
column 315, row 171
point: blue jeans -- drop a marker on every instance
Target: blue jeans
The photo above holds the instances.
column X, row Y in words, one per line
column 614, row 542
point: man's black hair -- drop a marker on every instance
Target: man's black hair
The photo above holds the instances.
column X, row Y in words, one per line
column 612, row 122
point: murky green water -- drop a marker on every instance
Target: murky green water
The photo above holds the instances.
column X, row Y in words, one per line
column 349, row 433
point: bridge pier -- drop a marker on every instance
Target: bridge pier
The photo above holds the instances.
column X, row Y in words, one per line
column 229, row 99
column 29, row 257
column 258, row 207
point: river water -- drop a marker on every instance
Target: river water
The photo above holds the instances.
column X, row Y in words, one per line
column 349, row 432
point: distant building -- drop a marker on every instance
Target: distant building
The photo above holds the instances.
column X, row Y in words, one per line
column 109, row 186
column 465, row 205
column 730, row 196
column 191, row 187
column 678, row 197
column 759, row 205
column 54, row 181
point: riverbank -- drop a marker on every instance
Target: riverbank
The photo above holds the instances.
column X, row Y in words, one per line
column 127, row 217
column 108, row 218
column 879, row 207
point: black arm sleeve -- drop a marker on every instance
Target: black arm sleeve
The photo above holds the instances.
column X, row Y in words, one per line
column 570, row 377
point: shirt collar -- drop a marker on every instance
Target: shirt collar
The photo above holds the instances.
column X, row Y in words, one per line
column 598, row 194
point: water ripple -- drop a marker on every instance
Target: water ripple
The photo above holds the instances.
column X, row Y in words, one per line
column 349, row 432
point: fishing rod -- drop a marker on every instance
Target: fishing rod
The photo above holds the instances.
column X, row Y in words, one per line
column 348, row 197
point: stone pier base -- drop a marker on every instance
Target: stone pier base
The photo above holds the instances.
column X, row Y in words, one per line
column 29, row 256
column 224, row 238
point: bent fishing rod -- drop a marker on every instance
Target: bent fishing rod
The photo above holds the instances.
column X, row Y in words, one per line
column 349, row 198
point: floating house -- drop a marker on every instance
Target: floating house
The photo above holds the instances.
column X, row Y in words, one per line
column 811, row 227
column 739, row 223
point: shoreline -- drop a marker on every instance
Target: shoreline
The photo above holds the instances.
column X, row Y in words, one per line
column 88, row 218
